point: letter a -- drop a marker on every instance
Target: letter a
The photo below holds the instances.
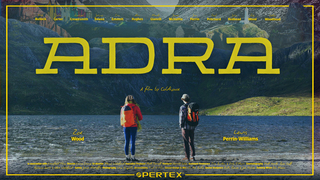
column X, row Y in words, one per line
column 234, row 56
column 85, row 58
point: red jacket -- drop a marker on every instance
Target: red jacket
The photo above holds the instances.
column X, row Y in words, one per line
column 129, row 114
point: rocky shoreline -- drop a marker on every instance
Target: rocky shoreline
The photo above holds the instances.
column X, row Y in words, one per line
column 220, row 167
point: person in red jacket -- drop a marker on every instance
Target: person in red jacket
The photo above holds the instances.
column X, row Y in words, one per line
column 130, row 114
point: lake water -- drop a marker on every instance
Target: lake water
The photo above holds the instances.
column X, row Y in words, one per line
column 50, row 135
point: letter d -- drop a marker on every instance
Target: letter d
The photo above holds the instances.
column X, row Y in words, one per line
column 112, row 56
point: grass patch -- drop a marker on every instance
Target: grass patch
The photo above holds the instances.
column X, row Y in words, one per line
column 267, row 106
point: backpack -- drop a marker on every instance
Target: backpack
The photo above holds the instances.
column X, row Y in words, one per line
column 128, row 118
column 192, row 114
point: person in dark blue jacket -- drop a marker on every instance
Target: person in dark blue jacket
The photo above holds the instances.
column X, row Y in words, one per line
column 187, row 130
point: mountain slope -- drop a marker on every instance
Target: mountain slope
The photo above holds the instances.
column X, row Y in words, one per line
column 295, row 15
column 69, row 93
column 124, row 12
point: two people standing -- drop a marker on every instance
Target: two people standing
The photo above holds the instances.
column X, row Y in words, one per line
column 131, row 114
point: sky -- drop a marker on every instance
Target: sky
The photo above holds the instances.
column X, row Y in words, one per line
column 164, row 2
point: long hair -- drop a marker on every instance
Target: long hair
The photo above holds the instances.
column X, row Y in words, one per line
column 129, row 99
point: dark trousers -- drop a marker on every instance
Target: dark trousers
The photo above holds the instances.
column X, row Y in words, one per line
column 188, row 139
column 130, row 135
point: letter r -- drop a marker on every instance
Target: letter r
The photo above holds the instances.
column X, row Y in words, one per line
column 196, row 59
